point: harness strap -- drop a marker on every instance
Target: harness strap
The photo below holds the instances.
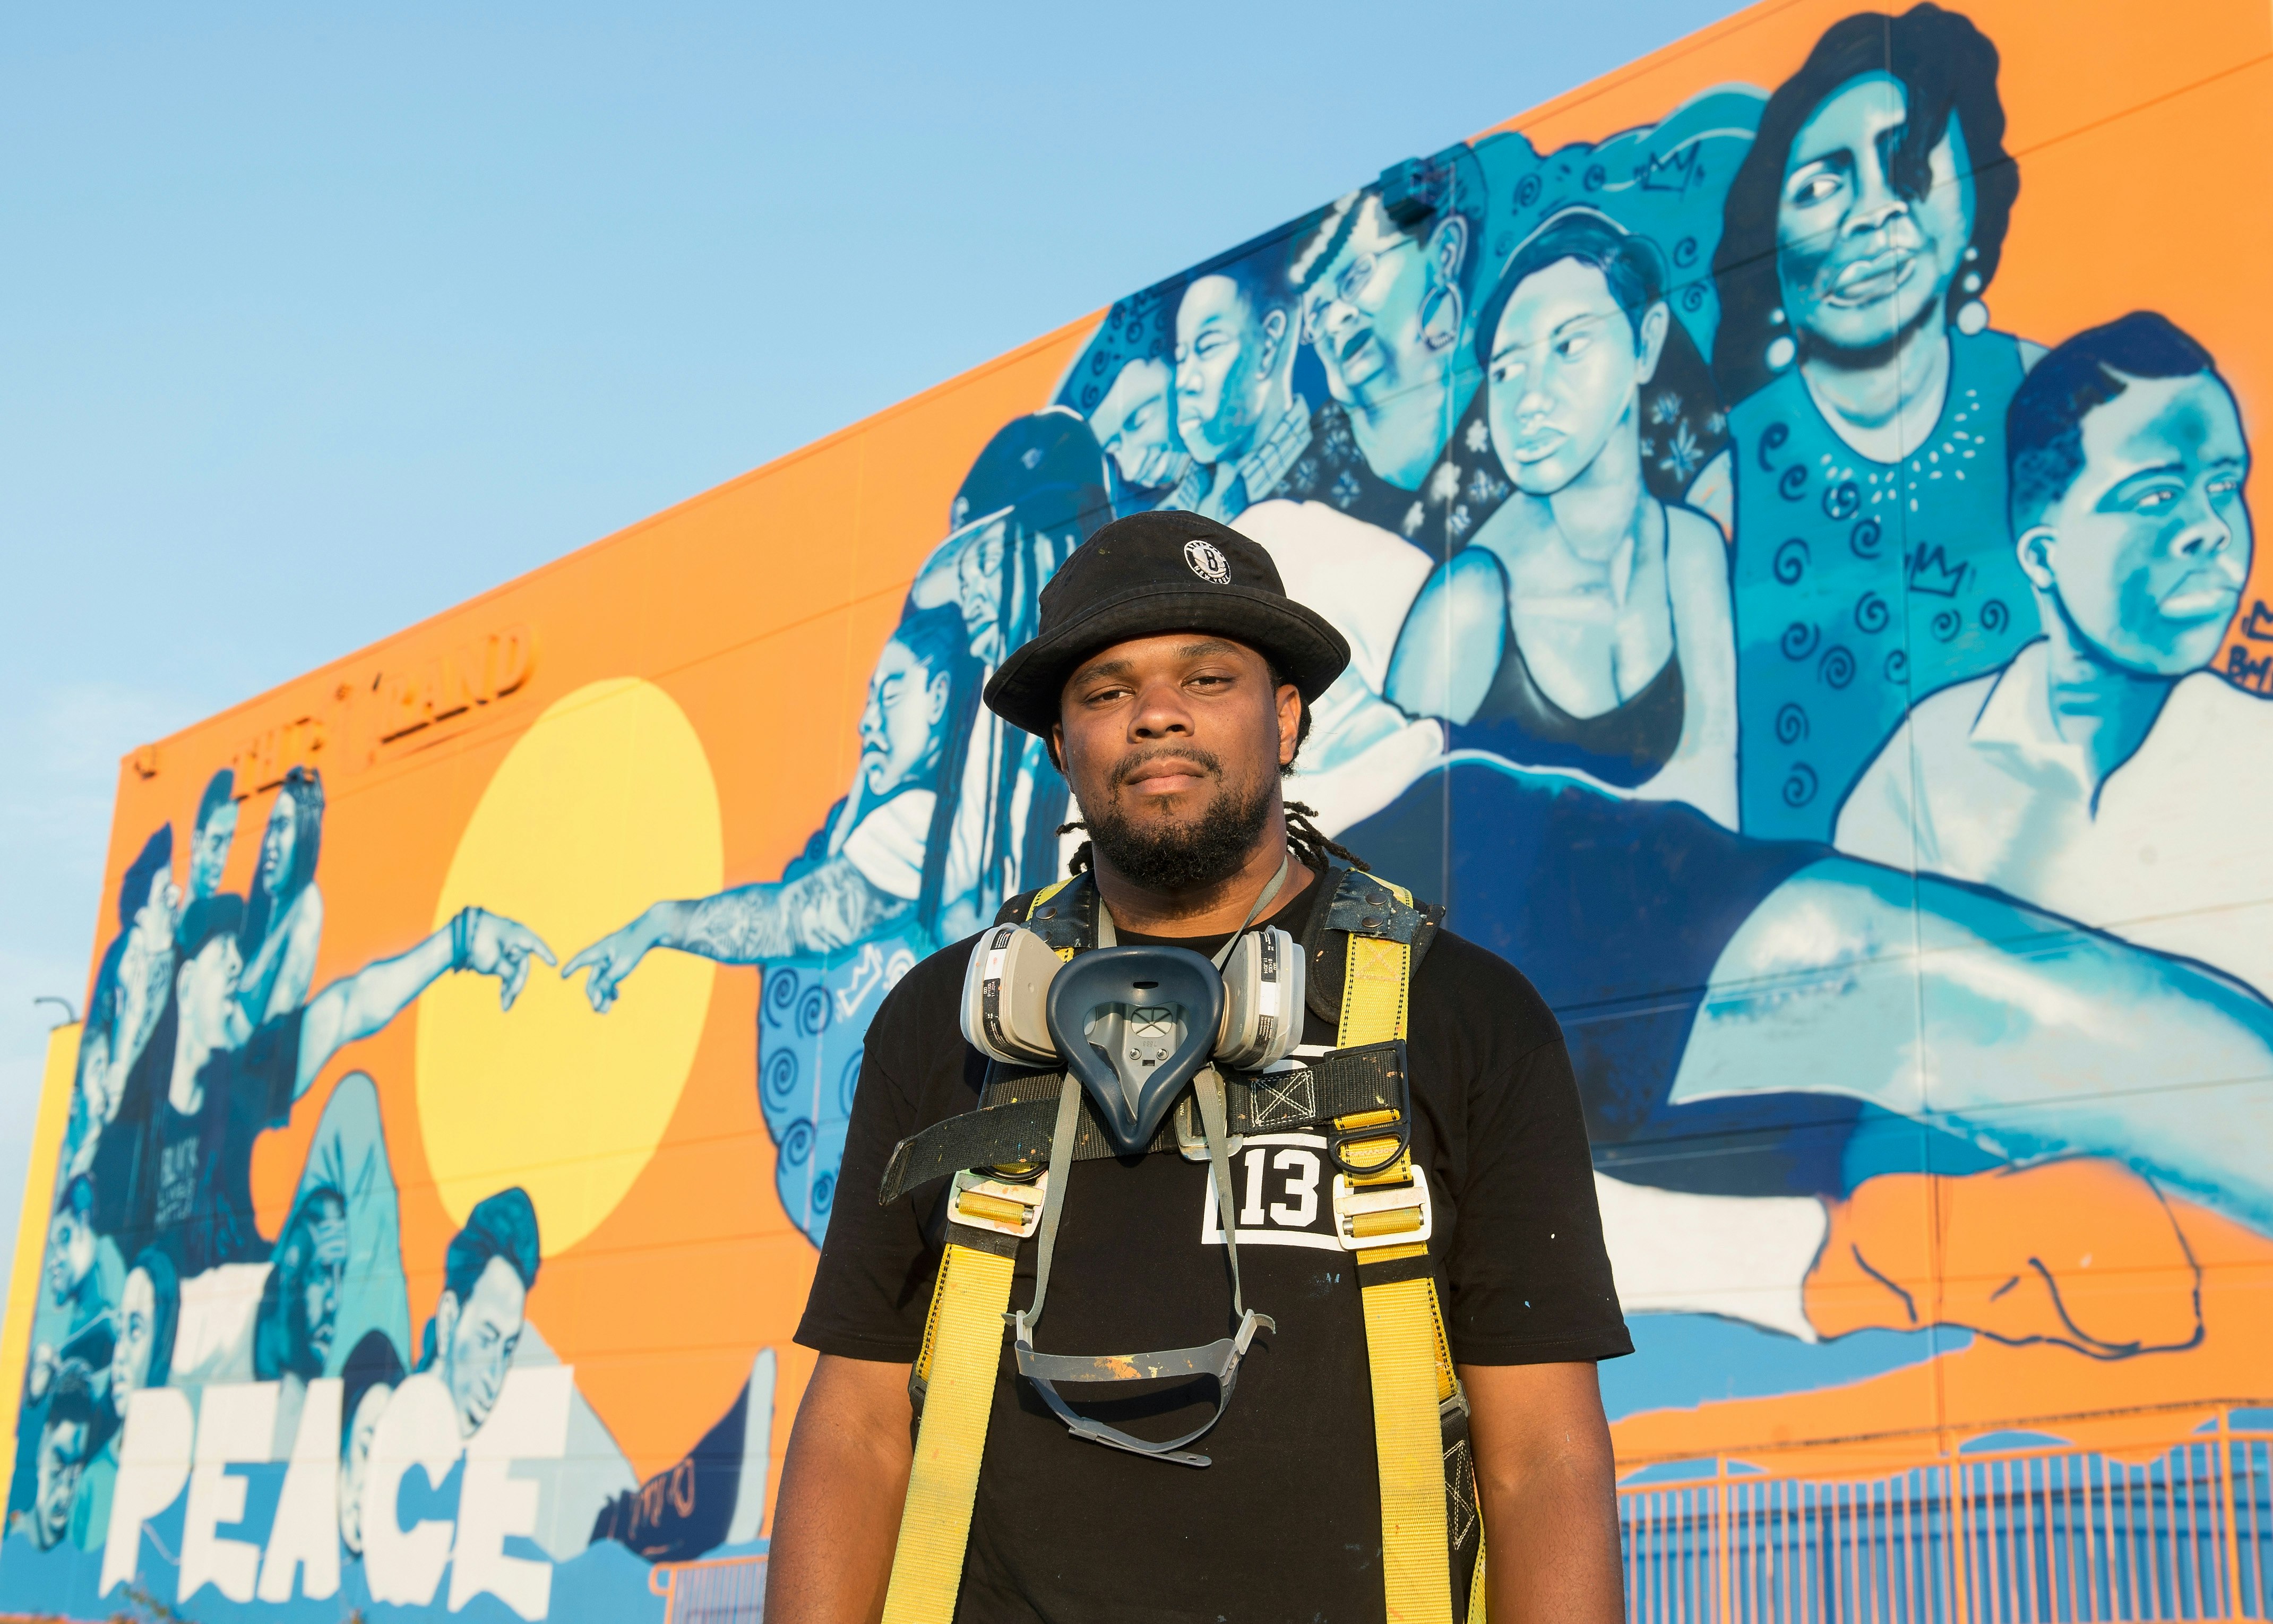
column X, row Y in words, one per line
column 1015, row 1123
column 1416, row 1395
column 952, row 1386
column 1219, row 1359
column 962, row 1340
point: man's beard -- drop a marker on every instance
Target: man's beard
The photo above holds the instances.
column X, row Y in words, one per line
column 1182, row 858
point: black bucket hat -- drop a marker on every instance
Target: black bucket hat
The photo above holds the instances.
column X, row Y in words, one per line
column 1153, row 573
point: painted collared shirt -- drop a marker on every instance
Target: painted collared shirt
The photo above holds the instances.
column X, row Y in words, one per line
column 2165, row 851
column 1223, row 493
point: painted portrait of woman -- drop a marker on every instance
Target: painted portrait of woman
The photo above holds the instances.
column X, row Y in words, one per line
column 1865, row 483
column 1586, row 627
column 284, row 924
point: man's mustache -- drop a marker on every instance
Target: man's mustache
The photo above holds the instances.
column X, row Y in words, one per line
column 1131, row 766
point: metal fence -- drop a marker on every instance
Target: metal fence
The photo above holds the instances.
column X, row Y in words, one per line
column 1999, row 1537
column 2036, row 1536
column 729, row 1591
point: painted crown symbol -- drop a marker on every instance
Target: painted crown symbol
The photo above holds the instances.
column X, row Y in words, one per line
column 1932, row 572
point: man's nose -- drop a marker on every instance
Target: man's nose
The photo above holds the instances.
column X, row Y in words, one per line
column 1161, row 712
column 2208, row 536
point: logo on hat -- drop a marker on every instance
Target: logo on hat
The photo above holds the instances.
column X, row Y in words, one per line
column 1207, row 560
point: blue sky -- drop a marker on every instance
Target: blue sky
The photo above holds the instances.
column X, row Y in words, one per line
column 315, row 320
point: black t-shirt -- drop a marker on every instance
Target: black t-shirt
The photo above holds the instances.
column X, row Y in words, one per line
column 186, row 1177
column 1286, row 1522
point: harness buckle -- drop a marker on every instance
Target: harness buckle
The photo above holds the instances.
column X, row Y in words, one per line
column 1382, row 1215
column 1191, row 1143
column 1007, row 1208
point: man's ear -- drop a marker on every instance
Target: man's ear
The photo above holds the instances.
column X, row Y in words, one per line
column 2035, row 549
column 1448, row 248
column 1290, row 722
column 1055, row 744
column 1656, row 322
column 935, row 697
column 1274, row 339
column 446, row 1324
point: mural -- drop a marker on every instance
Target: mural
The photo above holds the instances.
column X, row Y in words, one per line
column 1790, row 513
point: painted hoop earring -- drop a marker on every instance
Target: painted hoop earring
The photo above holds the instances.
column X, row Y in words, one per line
column 1438, row 296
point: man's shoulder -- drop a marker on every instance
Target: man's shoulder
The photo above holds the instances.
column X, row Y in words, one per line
column 920, row 1019
column 1474, row 985
column 1957, row 707
column 1939, row 726
column 935, row 982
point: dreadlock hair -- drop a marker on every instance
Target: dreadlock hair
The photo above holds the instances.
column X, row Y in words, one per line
column 1312, row 845
column 1309, row 843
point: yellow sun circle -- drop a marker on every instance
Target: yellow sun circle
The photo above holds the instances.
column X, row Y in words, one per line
column 606, row 804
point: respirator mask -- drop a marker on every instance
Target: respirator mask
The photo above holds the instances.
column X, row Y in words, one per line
column 1135, row 1029
column 1134, row 1025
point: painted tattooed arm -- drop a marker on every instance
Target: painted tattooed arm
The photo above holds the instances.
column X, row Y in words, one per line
column 355, row 1006
column 829, row 907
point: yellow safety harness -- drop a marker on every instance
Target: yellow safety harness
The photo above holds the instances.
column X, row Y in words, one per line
column 1381, row 1213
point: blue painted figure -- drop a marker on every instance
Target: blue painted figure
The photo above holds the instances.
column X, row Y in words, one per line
column 284, row 922
column 1872, row 564
column 2096, row 773
column 1388, row 309
column 1125, row 385
column 1587, row 625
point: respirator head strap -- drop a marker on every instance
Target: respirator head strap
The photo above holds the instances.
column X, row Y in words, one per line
column 1217, row 1359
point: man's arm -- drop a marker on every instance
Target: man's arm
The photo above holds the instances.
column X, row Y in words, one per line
column 829, row 906
column 837, row 1518
column 355, row 1006
column 1550, row 1489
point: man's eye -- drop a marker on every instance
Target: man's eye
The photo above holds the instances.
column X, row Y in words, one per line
column 2154, row 500
column 2223, row 485
column 1574, row 346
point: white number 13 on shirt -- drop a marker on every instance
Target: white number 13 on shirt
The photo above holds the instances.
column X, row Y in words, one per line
column 1279, row 1181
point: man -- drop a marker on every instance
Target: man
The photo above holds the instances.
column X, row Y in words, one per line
column 469, row 1348
column 216, row 832
column 268, row 1321
column 66, row 1432
column 1236, row 410
column 127, row 1038
column 478, row 1319
column 177, row 1169
column 2097, row 774
column 1170, row 677
column 83, row 1276
column 1135, row 425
